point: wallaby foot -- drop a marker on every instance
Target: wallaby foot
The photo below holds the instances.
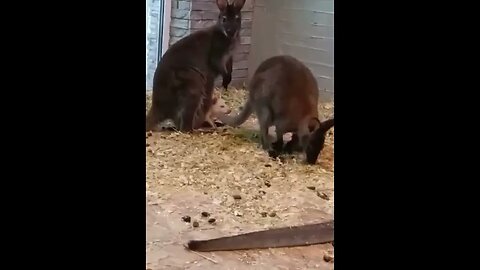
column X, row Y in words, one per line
column 293, row 145
column 264, row 141
column 219, row 124
column 273, row 154
column 169, row 129
column 212, row 124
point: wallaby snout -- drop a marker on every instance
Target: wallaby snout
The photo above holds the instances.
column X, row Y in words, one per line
column 231, row 31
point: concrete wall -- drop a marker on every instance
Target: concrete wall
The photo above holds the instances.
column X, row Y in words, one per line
column 301, row 28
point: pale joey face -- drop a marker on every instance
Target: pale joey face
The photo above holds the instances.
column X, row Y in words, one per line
column 220, row 107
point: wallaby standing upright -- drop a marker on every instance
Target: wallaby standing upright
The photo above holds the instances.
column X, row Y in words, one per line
column 283, row 92
column 184, row 79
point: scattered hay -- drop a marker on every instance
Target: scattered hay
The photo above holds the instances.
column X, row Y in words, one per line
column 230, row 162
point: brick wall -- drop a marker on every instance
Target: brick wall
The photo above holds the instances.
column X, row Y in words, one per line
column 192, row 15
column 180, row 22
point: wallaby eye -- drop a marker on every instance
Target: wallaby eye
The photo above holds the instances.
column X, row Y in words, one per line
column 224, row 18
column 237, row 17
column 222, row 106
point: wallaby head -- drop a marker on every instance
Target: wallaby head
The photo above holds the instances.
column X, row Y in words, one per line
column 316, row 142
column 230, row 17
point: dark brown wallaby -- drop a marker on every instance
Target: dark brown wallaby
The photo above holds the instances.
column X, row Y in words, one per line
column 283, row 92
column 184, row 79
column 317, row 141
column 304, row 235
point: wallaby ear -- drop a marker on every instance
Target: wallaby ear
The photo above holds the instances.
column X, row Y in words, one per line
column 238, row 4
column 327, row 124
column 222, row 4
column 313, row 124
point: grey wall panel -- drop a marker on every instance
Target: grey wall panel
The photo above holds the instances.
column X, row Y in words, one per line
column 301, row 28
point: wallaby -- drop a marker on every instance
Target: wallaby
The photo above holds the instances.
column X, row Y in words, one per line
column 184, row 79
column 317, row 141
column 304, row 235
column 283, row 92
column 219, row 107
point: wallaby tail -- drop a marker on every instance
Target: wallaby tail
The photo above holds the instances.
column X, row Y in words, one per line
column 240, row 118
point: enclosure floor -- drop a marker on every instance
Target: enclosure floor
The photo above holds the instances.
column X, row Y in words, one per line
column 188, row 174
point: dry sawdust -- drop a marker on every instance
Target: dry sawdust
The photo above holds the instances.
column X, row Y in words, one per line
column 230, row 162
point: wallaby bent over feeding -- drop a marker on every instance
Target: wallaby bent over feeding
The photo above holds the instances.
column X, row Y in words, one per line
column 184, row 79
column 283, row 92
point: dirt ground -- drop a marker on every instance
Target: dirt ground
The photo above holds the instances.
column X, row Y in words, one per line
column 188, row 174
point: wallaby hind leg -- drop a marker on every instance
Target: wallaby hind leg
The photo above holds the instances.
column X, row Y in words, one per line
column 264, row 121
column 187, row 115
column 278, row 144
